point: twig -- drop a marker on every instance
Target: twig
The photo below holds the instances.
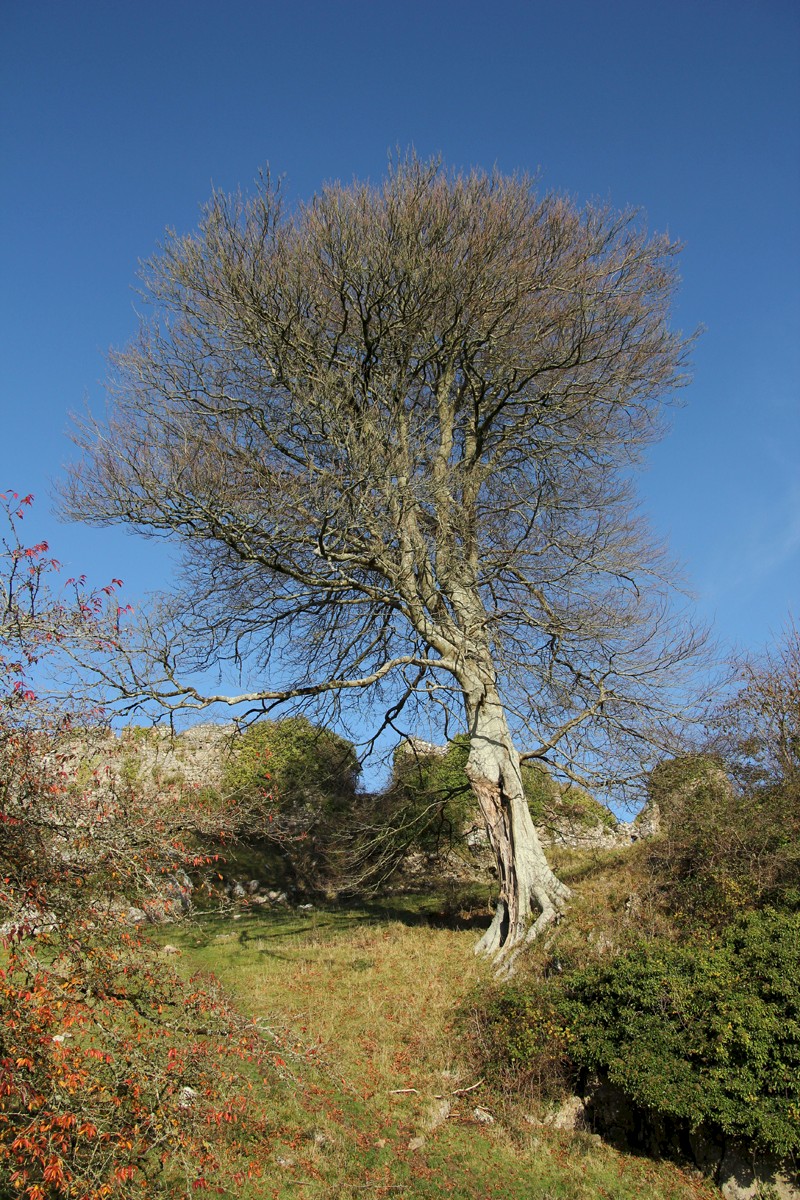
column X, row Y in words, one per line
column 402, row 1091
column 463, row 1091
column 458, row 1091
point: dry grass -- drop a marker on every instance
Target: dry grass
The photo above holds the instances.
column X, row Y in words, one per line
column 374, row 1106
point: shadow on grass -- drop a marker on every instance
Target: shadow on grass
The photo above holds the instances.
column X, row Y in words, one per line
column 431, row 913
column 261, row 924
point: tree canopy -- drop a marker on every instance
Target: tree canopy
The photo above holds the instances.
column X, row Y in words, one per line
column 393, row 431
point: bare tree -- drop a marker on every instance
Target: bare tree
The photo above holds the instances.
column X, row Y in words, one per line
column 393, row 431
column 757, row 729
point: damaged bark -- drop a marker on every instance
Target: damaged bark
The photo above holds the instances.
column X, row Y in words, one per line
column 526, row 882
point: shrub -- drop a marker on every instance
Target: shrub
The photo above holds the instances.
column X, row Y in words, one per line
column 524, row 1040
column 429, row 801
column 708, row 1033
column 301, row 781
column 722, row 851
column 730, row 819
column 299, row 765
column 116, row 1077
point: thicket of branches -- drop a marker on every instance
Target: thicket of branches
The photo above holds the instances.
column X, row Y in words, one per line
column 117, row 1077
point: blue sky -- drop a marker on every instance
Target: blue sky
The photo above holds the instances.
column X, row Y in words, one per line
column 118, row 117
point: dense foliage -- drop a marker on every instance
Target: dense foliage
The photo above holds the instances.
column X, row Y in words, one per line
column 298, row 764
column 708, row 1032
column 299, row 780
column 723, row 850
column 430, row 798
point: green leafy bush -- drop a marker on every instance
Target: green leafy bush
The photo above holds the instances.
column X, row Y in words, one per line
column 296, row 763
column 307, row 779
column 708, row 1033
column 524, row 1039
column 429, row 801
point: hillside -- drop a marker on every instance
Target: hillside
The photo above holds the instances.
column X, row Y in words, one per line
column 383, row 1098
column 197, row 933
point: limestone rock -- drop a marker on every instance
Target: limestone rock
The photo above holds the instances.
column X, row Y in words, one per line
column 743, row 1179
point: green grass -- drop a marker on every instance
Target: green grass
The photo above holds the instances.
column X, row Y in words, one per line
column 364, row 1005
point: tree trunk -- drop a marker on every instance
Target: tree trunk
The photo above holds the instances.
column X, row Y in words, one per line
column 526, row 882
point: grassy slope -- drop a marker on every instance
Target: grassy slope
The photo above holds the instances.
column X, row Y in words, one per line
column 372, row 996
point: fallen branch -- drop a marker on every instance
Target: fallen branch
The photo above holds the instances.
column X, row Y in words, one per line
column 463, row 1091
column 459, row 1091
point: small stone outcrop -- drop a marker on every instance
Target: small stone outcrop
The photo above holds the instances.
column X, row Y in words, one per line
column 739, row 1174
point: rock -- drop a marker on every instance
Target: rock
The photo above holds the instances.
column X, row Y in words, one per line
column 186, row 1097
column 136, row 916
column 179, row 888
column 416, row 1143
column 439, row 1113
column 238, row 892
column 483, row 1115
column 476, row 837
column 253, row 887
column 610, row 1111
column 29, row 922
column 170, row 949
column 647, row 822
column 569, row 1115
column 707, row 1153
column 740, row 1178
column 415, row 747
column 604, row 944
